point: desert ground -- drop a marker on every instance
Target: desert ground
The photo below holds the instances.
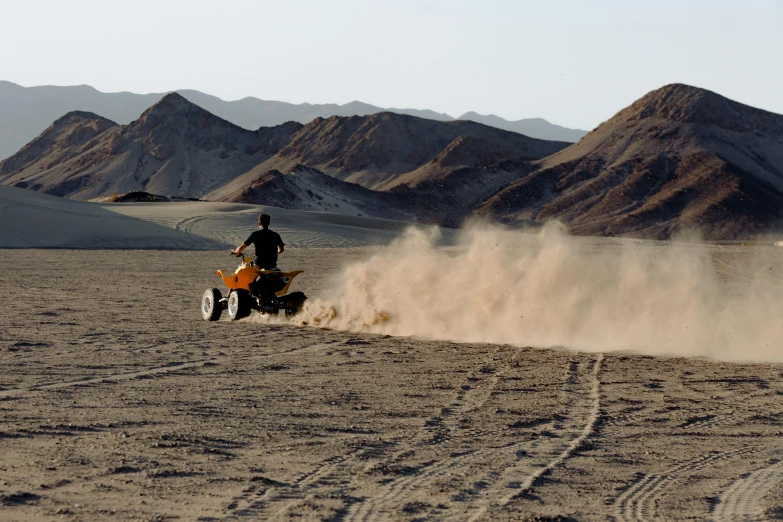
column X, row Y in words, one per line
column 118, row 402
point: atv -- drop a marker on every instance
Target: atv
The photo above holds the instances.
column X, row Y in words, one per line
column 251, row 288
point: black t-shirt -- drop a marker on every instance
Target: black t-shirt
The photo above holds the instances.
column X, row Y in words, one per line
column 266, row 243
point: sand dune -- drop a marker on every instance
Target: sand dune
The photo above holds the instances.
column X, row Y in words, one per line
column 33, row 220
column 29, row 219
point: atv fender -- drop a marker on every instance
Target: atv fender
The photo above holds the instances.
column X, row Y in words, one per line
column 244, row 276
column 290, row 276
column 230, row 280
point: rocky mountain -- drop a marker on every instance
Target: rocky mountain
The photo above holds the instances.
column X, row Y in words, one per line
column 175, row 148
column 423, row 169
column 26, row 111
column 375, row 151
column 58, row 143
column 305, row 188
column 444, row 201
column 679, row 158
column 534, row 127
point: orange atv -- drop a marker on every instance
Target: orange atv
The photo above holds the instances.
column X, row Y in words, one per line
column 251, row 288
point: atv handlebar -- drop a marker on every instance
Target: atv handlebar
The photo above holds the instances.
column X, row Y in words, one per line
column 244, row 258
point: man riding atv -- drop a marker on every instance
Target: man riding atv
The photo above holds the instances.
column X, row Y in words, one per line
column 257, row 284
column 268, row 245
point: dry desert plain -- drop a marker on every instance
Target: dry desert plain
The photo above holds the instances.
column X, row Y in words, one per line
column 119, row 403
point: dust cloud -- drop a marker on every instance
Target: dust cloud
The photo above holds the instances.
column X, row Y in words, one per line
column 549, row 289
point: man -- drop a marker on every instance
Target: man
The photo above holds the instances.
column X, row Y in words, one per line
column 268, row 245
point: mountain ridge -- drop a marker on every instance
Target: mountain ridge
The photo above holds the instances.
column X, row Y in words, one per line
column 178, row 149
column 680, row 158
column 175, row 148
column 374, row 150
column 26, row 111
column 534, row 127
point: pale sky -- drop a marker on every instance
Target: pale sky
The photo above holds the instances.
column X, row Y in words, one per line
column 575, row 63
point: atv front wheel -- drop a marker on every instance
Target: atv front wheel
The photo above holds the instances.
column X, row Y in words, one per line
column 294, row 303
column 239, row 304
column 211, row 308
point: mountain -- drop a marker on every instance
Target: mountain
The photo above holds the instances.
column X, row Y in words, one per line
column 534, row 127
column 26, row 111
column 59, row 142
column 375, row 151
column 175, row 148
column 251, row 113
column 679, row 158
column 305, row 188
column 422, row 168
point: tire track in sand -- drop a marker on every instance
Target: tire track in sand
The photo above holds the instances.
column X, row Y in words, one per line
column 114, row 377
column 276, row 500
column 709, row 421
column 284, row 495
column 253, row 502
column 519, row 475
column 107, row 378
column 639, row 502
column 224, row 235
column 526, row 467
column 470, row 397
column 741, row 501
column 147, row 372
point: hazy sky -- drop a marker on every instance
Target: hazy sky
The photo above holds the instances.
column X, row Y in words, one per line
column 575, row 63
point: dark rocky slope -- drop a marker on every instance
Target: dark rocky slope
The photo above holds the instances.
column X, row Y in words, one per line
column 680, row 158
column 375, row 150
column 305, row 188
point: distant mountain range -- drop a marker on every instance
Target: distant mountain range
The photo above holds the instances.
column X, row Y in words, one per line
column 26, row 111
column 177, row 148
column 679, row 158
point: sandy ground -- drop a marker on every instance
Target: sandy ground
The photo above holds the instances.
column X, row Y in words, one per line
column 119, row 403
column 32, row 220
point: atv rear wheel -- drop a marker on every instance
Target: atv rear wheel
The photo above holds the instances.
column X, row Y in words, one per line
column 294, row 303
column 239, row 304
column 211, row 308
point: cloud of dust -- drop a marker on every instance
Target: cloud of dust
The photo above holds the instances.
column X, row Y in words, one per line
column 547, row 288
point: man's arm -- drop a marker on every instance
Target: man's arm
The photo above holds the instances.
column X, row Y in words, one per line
column 246, row 243
column 280, row 245
column 238, row 250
